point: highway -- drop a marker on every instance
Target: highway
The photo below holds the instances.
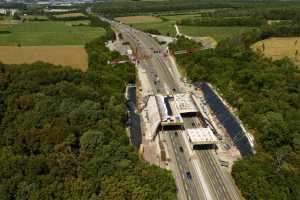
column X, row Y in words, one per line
column 187, row 187
column 155, row 65
column 192, row 188
column 158, row 66
column 220, row 185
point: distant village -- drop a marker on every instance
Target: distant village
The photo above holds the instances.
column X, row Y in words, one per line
column 4, row 3
column 8, row 11
column 15, row 7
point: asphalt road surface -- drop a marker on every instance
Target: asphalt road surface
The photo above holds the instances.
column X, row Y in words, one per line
column 220, row 185
column 158, row 66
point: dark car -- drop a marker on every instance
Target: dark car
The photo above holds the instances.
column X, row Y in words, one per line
column 188, row 175
column 181, row 149
column 224, row 163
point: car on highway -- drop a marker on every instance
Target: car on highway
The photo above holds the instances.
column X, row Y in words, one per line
column 189, row 175
column 224, row 163
column 180, row 149
column 226, row 146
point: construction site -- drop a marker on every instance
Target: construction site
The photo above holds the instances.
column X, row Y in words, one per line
column 197, row 122
column 185, row 128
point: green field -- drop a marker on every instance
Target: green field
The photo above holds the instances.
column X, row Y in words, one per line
column 48, row 33
column 163, row 27
column 217, row 32
column 181, row 16
column 31, row 17
column 78, row 22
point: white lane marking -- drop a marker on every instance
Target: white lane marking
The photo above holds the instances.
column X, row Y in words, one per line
column 180, row 167
column 176, row 150
column 185, row 186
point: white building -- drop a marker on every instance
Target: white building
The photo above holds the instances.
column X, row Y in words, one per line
column 10, row 12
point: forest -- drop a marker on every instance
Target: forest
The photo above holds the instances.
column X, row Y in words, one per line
column 267, row 12
column 122, row 8
column 63, row 133
column 267, row 96
column 251, row 17
column 216, row 21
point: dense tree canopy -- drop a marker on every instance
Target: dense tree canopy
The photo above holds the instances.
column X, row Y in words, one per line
column 217, row 21
column 183, row 43
column 269, row 9
column 267, row 96
column 63, row 136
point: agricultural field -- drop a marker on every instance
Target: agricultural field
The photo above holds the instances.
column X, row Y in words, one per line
column 154, row 0
column 67, row 15
column 164, row 27
column 138, row 19
column 48, row 33
column 278, row 48
column 73, row 56
column 32, row 17
column 184, row 13
column 78, row 22
column 181, row 16
column 218, row 33
column 8, row 20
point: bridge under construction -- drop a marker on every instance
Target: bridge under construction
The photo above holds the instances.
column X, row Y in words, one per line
column 173, row 111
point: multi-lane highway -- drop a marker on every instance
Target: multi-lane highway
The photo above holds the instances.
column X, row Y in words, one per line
column 192, row 187
column 220, row 185
column 158, row 66
column 155, row 67
column 189, row 182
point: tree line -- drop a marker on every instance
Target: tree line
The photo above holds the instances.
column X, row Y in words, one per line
column 268, row 12
column 67, row 18
column 234, row 21
column 252, row 17
column 267, row 97
column 221, row 8
column 63, row 133
column 111, row 9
